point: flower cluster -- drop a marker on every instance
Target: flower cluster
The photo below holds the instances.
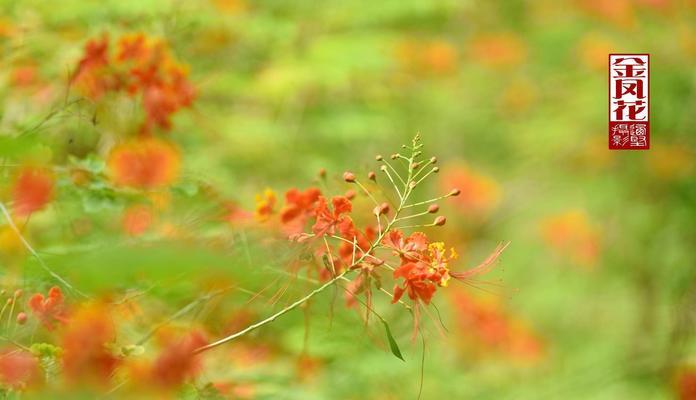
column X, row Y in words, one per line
column 330, row 230
column 139, row 66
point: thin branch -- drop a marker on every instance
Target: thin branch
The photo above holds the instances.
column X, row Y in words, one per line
column 26, row 244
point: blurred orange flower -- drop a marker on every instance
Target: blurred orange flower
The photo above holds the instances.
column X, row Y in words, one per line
column 427, row 57
column 479, row 195
column 141, row 65
column 177, row 362
column 49, row 309
column 32, row 190
column 571, row 234
column 86, row 356
column 490, row 325
column 91, row 76
column 265, row 204
column 137, row 219
column 498, row 50
column 144, row 163
column 685, row 383
column 24, row 76
column 18, row 368
column 619, row 12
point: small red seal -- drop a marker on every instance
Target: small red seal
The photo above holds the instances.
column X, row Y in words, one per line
column 629, row 101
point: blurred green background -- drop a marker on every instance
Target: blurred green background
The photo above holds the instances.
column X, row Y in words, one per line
column 594, row 298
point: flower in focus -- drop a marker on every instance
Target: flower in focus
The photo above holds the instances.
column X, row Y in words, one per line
column 409, row 248
column 49, row 309
column 417, row 282
column 32, row 190
column 144, row 163
column 85, row 343
column 571, row 234
column 479, row 195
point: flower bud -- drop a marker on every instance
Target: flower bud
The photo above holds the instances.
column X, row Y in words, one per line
column 350, row 194
column 379, row 157
column 394, row 156
column 372, row 176
column 384, row 208
column 376, row 261
column 433, row 160
column 439, row 221
column 436, row 169
column 381, row 209
column 299, row 237
column 18, row 293
column 383, row 168
column 433, row 208
column 455, row 192
column 21, row 318
column 412, row 184
column 416, row 154
column 415, row 165
column 349, row 177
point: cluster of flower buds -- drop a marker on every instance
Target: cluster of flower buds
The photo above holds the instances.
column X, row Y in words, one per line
column 11, row 305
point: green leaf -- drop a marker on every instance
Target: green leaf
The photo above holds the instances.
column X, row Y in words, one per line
column 392, row 343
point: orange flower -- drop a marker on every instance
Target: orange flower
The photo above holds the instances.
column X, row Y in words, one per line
column 479, row 193
column 177, row 362
column 141, row 65
column 498, row 50
column 685, row 383
column 24, row 76
column 18, row 368
column 427, row 57
column 145, row 163
column 299, row 205
column 84, row 343
column 618, row 12
column 328, row 219
column 48, row 309
column 91, row 76
column 490, row 325
column 571, row 233
column 33, row 189
column 136, row 220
